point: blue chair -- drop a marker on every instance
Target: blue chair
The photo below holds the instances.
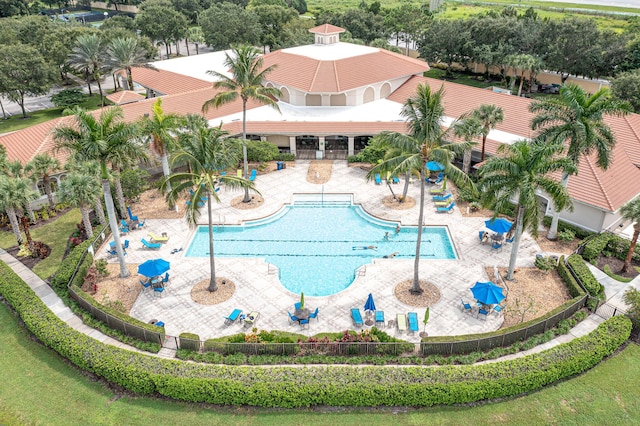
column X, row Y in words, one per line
column 314, row 314
column 483, row 313
column 233, row 317
column 395, row 179
column 447, row 209
column 304, row 322
column 380, row 318
column 441, row 198
column 497, row 309
column 413, row 321
column 297, row 306
column 466, row 306
column 509, row 240
column 438, row 179
column 124, row 228
column 131, row 216
column 141, row 224
column 165, row 280
column 158, row 290
column 149, row 245
column 480, row 235
column 223, row 174
column 356, row 317
column 378, row 180
column 145, row 284
column 497, row 246
column 126, row 244
column 292, row 318
column 254, row 173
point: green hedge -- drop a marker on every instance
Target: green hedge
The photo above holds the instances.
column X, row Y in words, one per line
column 580, row 233
column 572, row 285
column 619, row 247
column 595, row 246
column 590, row 282
column 62, row 276
column 310, row 386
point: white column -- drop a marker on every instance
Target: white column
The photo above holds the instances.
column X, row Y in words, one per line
column 292, row 144
column 350, row 146
column 321, row 145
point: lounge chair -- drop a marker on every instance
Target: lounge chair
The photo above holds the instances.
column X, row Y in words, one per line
column 465, row 306
column 509, row 240
column 447, row 209
column 251, row 319
column 380, row 318
column 153, row 246
column 131, row 216
column 158, row 238
column 239, row 173
column 314, row 314
column 444, row 197
column 292, row 318
column 395, row 179
column 438, row 179
column 233, row 317
column 401, row 322
column 112, row 252
column 378, row 180
column 413, row 322
column 444, row 203
column 141, row 224
column 253, row 175
column 437, row 191
column 356, row 317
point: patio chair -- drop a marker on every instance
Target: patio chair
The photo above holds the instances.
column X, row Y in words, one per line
column 253, row 175
column 292, row 318
column 483, row 313
column 297, row 306
column 158, row 290
column 112, row 252
column 152, row 246
column 413, row 322
column 223, row 174
column 436, row 191
column 126, row 244
column 395, row 179
column 239, row 173
column 401, row 322
column 141, row 224
column 356, row 317
column 447, row 209
column 124, row 228
column 158, row 238
column 380, row 318
column 509, row 240
column 437, row 179
column 444, row 197
column 378, row 180
column 466, row 307
column 304, row 322
column 165, row 280
column 145, row 284
column 131, row 216
column 233, row 317
column 314, row 314
column 497, row 246
column 251, row 319
column 497, row 309
column 444, row 203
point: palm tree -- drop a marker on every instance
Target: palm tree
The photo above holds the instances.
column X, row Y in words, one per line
column 161, row 129
column 468, row 128
column 575, row 118
column 79, row 191
column 89, row 168
column 102, row 140
column 15, row 192
column 631, row 211
column 206, row 151
column 89, row 57
column 519, row 173
column 425, row 142
column 125, row 53
column 490, row 116
column 247, row 76
column 523, row 62
column 15, row 169
column 41, row 167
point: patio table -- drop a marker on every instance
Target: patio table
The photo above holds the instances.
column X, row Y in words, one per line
column 302, row 313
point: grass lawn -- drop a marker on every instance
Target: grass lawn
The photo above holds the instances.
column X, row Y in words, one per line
column 40, row 388
column 54, row 234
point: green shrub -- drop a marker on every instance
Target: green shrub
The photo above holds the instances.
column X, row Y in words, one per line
column 572, row 285
column 189, row 341
column 595, row 246
column 134, row 182
column 261, row 151
column 62, row 276
column 566, row 235
column 594, row 288
column 619, row 247
column 546, row 263
column 564, row 226
column 285, row 156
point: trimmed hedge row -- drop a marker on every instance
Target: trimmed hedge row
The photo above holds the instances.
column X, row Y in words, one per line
column 62, row 276
column 595, row 246
column 590, row 282
column 309, row 386
column 562, row 225
column 572, row 285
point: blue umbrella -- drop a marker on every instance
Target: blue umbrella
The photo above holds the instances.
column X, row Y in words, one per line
column 434, row 166
column 153, row 268
column 370, row 305
column 487, row 293
column 498, row 225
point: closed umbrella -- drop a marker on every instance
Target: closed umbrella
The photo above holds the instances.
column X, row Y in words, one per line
column 487, row 293
column 369, row 304
column 434, row 166
column 498, row 225
column 153, row 267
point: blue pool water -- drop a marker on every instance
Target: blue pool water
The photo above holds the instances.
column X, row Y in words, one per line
column 318, row 248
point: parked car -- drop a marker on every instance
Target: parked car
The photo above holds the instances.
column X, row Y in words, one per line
column 549, row 88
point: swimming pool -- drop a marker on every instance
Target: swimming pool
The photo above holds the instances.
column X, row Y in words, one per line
column 318, row 248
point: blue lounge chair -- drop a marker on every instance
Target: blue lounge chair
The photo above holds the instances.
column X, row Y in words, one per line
column 378, row 180
column 395, row 179
column 141, row 224
column 356, row 317
column 380, row 318
column 447, row 209
column 149, row 245
column 233, row 317
column 509, row 240
column 444, row 197
column 131, row 216
column 292, row 318
column 314, row 314
column 254, row 173
column 112, row 252
column 413, row 321
column 438, row 179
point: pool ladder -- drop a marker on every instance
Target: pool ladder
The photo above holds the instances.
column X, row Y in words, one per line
column 221, row 221
column 361, row 271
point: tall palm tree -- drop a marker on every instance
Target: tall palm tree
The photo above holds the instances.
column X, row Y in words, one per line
column 125, row 53
column 631, row 211
column 89, row 168
column 15, row 169
column 523, row 62
column 41, row 167
column 575, row 118
column 247, row 77
column 206, row 151
column 102, row 140
column 79, row 190
column 519, row 172
column 161, row 129
column 490, row 116
column 468, row 127
column 89, row 57
column 15, row 192
column 425, row 142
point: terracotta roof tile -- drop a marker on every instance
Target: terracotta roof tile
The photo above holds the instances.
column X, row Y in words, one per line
column 326, row 29
column 166, row 82
column 124, row 97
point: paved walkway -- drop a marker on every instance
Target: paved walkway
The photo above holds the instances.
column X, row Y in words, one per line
column 258, row 290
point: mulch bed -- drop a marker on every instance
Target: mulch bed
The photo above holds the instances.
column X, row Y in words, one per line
column 27, row 261
column 616, row 265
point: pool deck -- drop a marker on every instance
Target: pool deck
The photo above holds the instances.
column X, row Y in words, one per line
column 258, row 288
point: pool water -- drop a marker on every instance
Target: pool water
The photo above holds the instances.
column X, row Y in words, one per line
column 318, row 248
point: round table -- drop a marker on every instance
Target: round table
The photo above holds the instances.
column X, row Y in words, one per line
column 302, row 313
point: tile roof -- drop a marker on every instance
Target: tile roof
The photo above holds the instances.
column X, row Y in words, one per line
column 124, row 97
column 166, row 82
column 326, row 29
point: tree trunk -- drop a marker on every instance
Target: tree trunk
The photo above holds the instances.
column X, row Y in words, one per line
column 86, row 75
column 4, row 113
column 484, row 141
column 213, row 286
column 466, row 161
column 115, row 231
column 129, row 78
column 516, row 243
column 416, row 289
column 197, row 48
column 84, row 210
column 407, row 178
column 100, row 88
column 15, row 227
column 99, row 211
column 166, row 171
column 27, row 234
column 632, row 247
column 177, row 48
column 166, row 46
column 521, row 83
column 244, row 149
column 47, row 189
column 186, row 42
column 552, row 235
column 30, row 212
column 21, row 103
column 120, row 195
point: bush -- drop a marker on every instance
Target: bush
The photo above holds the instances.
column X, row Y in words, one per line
column 189, row 342
column 68, row 98
column 285, row 156
column 594, row 288
column 134, row 182
column 546, row 263
column 564, row 226
column 566, row 235
column 618, row 247
column 572, row 285
column 261, row 151
column 595, row 246
column 370, row 154
column 62, row 276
